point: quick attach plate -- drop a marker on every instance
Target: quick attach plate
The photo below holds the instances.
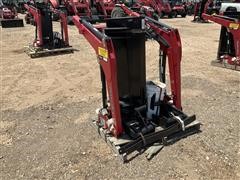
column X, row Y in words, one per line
column 124, row 145
column 220, row 63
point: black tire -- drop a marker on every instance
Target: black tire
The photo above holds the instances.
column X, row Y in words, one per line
column 55, row 17
column 32, row 22
column 156, row 17
column 174, row 14
column 117, row 12
column 161, row 15
column 183, row 15
column 189, row 12
column 94, row 11
column 27, row 19
column 70, row 20
column 57, row 40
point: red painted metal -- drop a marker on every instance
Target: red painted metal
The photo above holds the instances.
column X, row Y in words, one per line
column 54, row 3
column 80, row 8
column 64, row 25
column 105, row 6
column 77, row 7
column 83, row 7
column 174, row 54
column 109, row 68
column 173, row 51
column 207, row 5
column 128, row 11
column 38, row 42
column 160, row 6
column 37, row 19
column 198, row 7
column 8, row 13
column 233, row 26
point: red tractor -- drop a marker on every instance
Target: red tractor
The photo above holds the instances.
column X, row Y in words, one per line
column 151, row 8
column 203, row 6
column 161, row 7
column 136, row 6
column 94, row 10
column 104, row 7
column 165, row 8
column 190, row 8
column 178, row 8
column 100, row 10
column 73, row 7
column 7, row 13
column 9, row 17
column 77, row 7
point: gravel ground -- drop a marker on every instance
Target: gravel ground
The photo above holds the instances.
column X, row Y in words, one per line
column 46, row 105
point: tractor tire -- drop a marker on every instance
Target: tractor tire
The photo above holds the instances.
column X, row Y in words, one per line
column 27, row 20
column 55, row 17
column 183, row 15
column 94, row 11
column 174, row 14
column 156, row 17
column 32, row 22
column 70, row 20
column 161, row 15
column 57, row 40
column 117, row 12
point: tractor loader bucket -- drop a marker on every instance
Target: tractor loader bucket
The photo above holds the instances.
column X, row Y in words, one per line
column 10, row 23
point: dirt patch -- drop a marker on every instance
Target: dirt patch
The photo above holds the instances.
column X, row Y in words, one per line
column 18, row 51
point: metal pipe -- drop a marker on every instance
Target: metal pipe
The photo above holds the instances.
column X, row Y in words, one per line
column 104, row 91
column 90, row 27
column 158, row 23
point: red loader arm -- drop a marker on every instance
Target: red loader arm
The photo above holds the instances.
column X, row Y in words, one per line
column 108, row 65
column 37, row 19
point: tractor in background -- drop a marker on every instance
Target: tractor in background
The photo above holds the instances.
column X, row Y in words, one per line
column 203, row 6
column 178, row 8
column 152, row 8
column 209, row 7
column 93, row 10
column 189, row 8
column 47, row 41
column 8, row 15
column 228, row 54
column 161, row 7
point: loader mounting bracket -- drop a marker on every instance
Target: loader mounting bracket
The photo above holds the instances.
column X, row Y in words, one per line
column 124, row 146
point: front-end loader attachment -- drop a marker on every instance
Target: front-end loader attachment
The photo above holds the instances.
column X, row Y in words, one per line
column 47, row 42
column 137, row 113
